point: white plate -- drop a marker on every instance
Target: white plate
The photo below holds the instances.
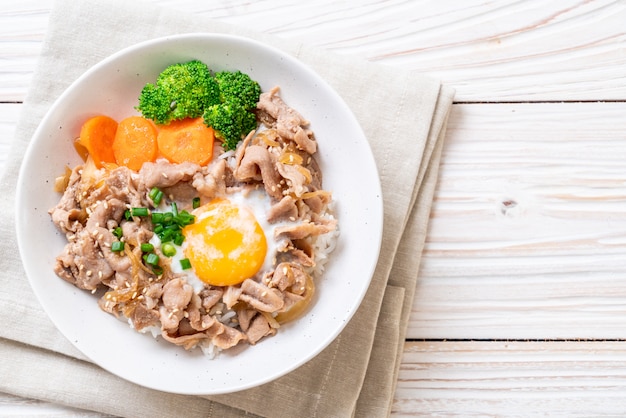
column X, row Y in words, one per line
column 349, row 171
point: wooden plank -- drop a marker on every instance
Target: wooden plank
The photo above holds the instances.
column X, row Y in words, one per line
column 488, row 50
column 9, row 113
column 512, row 379
column 528, row 231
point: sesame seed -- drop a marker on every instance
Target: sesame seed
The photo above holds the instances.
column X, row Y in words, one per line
column 292, row 218
column 88, row 273
column 264, row 293
column 106, row 204
column 164, row 175
column 100, row 274
column 134, row 295
column 93, row 291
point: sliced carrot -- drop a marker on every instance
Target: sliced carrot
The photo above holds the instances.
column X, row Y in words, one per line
column 186, row 140
column 135, row 142
column 96, row 136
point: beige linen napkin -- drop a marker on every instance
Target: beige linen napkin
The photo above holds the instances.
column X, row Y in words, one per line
column 403, row 115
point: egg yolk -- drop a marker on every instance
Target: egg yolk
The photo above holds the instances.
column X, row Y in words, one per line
column 226, row 244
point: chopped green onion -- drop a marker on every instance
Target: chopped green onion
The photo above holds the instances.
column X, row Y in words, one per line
column 174, row 209
column 185, row 263
column 117, row 246
column 146, row 247
column 168, row 250
column 151, row 259
column 157, row 217
column 127, row 215
column 195, row 202
column 139, row 211
column 185, row 218
column 118, row 232
column 179, row 239
column 158, row 270
column 156, row 195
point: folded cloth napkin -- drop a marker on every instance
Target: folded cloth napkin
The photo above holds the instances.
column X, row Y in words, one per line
column 403, row 115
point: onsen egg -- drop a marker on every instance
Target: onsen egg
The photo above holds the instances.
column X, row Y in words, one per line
column 226, row 244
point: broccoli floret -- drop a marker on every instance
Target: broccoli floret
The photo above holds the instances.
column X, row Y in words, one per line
column 181, row 91
column 230, row 121
column 238, row 86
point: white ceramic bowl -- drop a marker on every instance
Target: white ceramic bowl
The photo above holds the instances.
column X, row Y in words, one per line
column 112, row 87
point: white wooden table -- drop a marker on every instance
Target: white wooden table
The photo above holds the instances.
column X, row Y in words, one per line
column 521, row 303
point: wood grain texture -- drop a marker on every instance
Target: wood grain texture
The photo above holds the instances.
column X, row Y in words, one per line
column 528, row 231
column 504, row 50
column 509, row 379
column 9, row 114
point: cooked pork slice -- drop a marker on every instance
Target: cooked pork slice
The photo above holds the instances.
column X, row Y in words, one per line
column 261, row 297
column 210, row 297
column 244, row 317
column 143, row 317
column 287, row 121
column 295, row 177
column 186, row 341
column 229, row 338
column 257, row 164
column 176, row 296
column 67, row 215
column 231, row 296
column 121, row 186
column 305, row 229
column 162, row 173
column 104, row 211
column 285, row 209
column 302, row 137
column 290, row 300
column 259, row 328
column 181, row 193
column 137, row 232
column 289, row 276
column 211, row 181
column 82, row 263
